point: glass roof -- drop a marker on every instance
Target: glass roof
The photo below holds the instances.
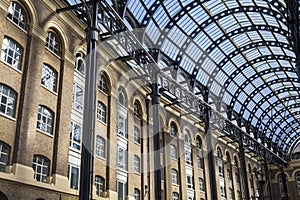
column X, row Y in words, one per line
column 240, row 50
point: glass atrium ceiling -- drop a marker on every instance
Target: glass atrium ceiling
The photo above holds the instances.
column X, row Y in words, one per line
column 241, row 50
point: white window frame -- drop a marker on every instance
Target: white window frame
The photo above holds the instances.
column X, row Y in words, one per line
column 75, row 135
column 102, row 86
column 137, row 164
column 175, row 196
column 188, row 155
column 137, row 194
column 17, row 15
column 45, row 120
column 122, row 158
column 80, row 64
column 101, row 112
column 77, row 100
column 11, row 53
column 124, row 190
column 122, row 126
column 174, row 177
column 99, row 184
column 75, row 187
column 100, row 147
column 49, row 77
column 137, row 134
column 189, row 182
column 173, row 152
column 41, row 164
column 53, row 43
column 7, row 101
column 4, row 155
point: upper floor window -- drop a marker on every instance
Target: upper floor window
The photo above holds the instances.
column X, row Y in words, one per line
column 174, row 176
column 201, row 185
column 173, row 129
column 11, row 53
column 40, row 167
column 137, row 135
column 45, row 120
column 187, row 137
column 17, row 15
column 75, row 135
column 188, row 155
column 77, row 98
column 74, row 177
column 53, row 43
column 220, row 163
column 199, row 162
column 223, row 191
column 137, row 194
column 80, row 63
column 137, row 164
column 49, row 78
column 189, row 181
column 198, row 143
column 8, row 101
column 101, row 112
column 173, row 152
column 4, row 155
column 99, row 183
column 122, row 126
column 122, row 158
column 103, row 83
column 175, row 196
column 137, row 110
column 100, row 147
column 230, row 194
column 122, row 99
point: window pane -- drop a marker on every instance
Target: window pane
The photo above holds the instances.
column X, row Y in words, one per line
column 7, row 101
column 16, row 14
column 49, row 77
column 11, row 53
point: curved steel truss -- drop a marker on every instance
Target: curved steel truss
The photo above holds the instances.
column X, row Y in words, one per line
column 245, row 53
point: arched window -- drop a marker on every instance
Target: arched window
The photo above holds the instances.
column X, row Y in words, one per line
column 45, row 120
column 41, row 168
column 220, row 162
column 4, row 155
column 198, row 143
column 103, row 83
column 11, row 53
column 53, row 43
column 174, row 177
column 137, row 164
column 237, row 171
column 228, row 162
column 101, row 112
column 122, row 115
column 201, row 185
column 75, row 135
column 122, row 99
column 80, row 63
column 17, row 15
column 137, row 110
column 173, row 152
column 137, row 194
column 100, row 147
column 187, row 137
column 7, row 100
column 173, row 129
column 99, row 183
column 175, row 196
column 49, row 78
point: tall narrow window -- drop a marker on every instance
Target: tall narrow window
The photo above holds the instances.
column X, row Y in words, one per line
column 8, row 101
column 74, row 177
column 99, row 183
column 137, row 135
column 230, row 194
column 187, row 147
column 201, row 185
column 101, row 112
column 49, row 78
column 174, row 177
column 17, row 15
column 298, row 182
column 122, row 126
column 75, row 135
column 122, row 158
column 137, row 164
column 45, row 120
column 11, row 53
column 189, row 181
column 199, row 162
column 198, row 143
column 80, row 63
column 40, row 167
column 100, row 147
column 220, row 163
column 103, row 83
column 137, row 110
column 77, row 98
column 173, row 152
column 4, row 155
column 122, row 190
column 52, row 43
column 137, row 194
column 173, row 129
